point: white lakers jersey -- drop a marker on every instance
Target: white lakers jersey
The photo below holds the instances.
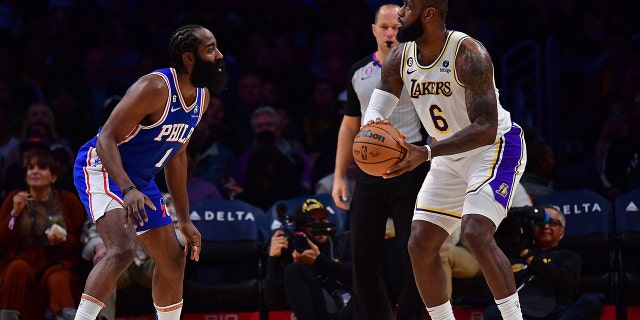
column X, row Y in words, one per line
column 438, row 94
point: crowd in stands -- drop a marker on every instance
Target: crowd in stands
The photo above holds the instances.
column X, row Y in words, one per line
column 68, row 58
column 272, row 134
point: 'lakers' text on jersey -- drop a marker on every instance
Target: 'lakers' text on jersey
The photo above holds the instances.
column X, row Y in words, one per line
column 438, row 94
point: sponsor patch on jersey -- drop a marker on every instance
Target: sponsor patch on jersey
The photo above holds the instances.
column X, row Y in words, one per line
column 445, row 67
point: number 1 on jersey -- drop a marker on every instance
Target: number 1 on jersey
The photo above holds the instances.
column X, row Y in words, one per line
column 164, row 158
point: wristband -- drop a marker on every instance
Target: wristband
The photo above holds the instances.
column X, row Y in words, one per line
column 380, row 106
column 428, row 151
column 125, row 191
column 12, row 222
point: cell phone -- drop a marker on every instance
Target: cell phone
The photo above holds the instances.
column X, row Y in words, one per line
column 299, row 241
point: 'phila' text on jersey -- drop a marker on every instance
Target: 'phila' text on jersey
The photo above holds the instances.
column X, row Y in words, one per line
column 179, row 132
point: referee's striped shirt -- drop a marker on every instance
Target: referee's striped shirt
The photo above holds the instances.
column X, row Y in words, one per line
column 364, row 78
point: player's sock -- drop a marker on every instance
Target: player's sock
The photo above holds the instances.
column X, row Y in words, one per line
column 89, row 308
column 171, row 312
column 510, row 307
column 441, row 312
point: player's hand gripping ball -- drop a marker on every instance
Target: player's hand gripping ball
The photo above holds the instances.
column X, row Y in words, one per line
column 376, row 148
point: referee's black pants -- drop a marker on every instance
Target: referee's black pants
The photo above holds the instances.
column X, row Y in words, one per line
column 374, row 200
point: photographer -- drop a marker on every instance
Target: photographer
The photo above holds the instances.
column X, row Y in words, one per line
column 309, row 268
column 547, row 277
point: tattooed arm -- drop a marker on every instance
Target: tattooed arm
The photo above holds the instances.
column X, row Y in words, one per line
column 475, row 70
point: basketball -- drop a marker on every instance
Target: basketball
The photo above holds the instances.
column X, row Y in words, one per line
column 376, row 148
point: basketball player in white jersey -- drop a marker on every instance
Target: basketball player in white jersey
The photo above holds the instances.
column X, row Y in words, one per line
column 376, row 199
column 114, row 172
column 477, row 158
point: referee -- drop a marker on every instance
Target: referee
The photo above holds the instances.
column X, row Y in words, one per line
column 376, row 199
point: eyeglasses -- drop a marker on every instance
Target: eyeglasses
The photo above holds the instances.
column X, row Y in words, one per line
column 554, row 223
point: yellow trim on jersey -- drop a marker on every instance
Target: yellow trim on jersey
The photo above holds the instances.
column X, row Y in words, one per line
column 494, row 165
column 440, row 212
column 455, row 56
column 437, row 61
column 404, row 67
column 518, row 172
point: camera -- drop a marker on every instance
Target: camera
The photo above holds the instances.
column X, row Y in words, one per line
column 295, row 236
column 516, row 230
column 294, row 228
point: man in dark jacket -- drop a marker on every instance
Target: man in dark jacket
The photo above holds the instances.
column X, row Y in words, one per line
column 309, row 271
column 548, row 278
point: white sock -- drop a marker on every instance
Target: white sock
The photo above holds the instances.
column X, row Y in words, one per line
column 510, row 307
column 441, row 312
column 171, row 312
column 89, row 308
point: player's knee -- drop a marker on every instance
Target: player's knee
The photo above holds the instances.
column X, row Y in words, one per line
column 476, row 238
column 413, row 246
column 175, row 260
column 418, row 247
column 122, row 254
column 179, row 259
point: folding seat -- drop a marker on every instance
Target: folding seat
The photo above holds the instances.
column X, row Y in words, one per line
column 627, row 228
column 228, row 275
column 589, row 232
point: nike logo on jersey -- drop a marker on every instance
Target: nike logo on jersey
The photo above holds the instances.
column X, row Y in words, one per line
column 175, row 109
column 411, row 71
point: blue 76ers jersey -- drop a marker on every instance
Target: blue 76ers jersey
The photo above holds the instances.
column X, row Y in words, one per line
column 146, row 149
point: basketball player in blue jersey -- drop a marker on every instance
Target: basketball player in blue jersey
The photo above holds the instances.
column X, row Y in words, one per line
column 477, row 158
column 376, row 199
column 114, row 172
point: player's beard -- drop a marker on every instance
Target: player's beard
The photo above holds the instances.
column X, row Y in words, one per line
column 209, row 74
column 411, row 32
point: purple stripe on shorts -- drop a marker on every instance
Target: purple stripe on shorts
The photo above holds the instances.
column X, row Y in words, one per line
column 508, row 165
